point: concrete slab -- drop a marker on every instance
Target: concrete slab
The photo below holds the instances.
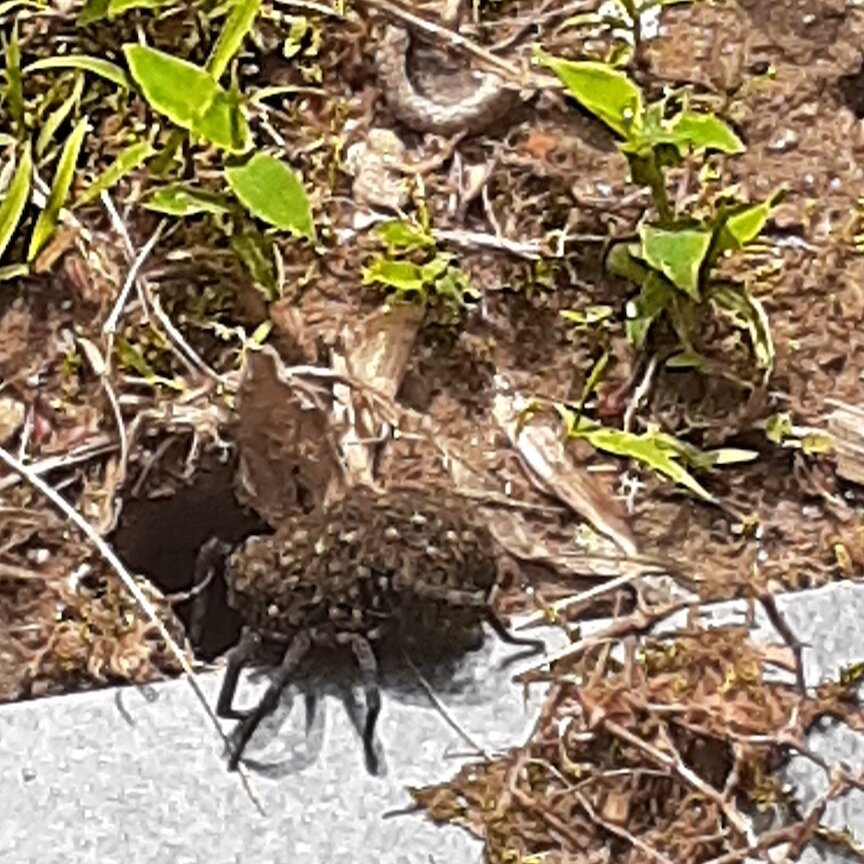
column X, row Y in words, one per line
column 137, row 776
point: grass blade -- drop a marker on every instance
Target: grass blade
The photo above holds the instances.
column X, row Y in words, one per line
column 14, row 91
column 103, row 68
column 127, row 160
column 16, row 198
column 231, row 37
column 56, row 118
column 48, row 218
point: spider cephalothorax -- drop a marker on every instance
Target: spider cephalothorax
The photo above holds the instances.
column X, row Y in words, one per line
column 369, row 565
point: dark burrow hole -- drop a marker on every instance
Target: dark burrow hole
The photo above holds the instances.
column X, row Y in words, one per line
column 160, row 538
column 852, row 90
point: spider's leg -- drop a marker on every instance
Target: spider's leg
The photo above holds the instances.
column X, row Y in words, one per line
column 506, row 636
column 297, row 650
column 209, row 562
column 365, row 657
column 238, row 657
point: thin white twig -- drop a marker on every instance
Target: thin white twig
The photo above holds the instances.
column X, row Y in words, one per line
column 530, row 249
column 441, row 708
column 125, row 577
column 109, row 328
column 558, row 606
column 98, row 446
column 639, row 393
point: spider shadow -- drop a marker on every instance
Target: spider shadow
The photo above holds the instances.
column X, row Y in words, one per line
column 457, row 667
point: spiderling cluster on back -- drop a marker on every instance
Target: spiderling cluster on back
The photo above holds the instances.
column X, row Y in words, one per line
column 370, row 565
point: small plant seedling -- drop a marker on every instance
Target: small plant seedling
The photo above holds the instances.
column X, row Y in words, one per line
column 675, row 256
column 414, row 269
column 659, row 451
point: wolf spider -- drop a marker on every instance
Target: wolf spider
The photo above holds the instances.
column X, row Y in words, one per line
column 367, row 566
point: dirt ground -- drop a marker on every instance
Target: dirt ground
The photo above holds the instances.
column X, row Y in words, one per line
column 152, row 466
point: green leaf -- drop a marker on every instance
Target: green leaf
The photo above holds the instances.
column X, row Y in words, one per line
column 104, row 68
column 734, row 301
column 595, row 376
column 47, row 221
column 677, row 253
column 603, row 90
column 272, row 191
column 13, row 91
column 236, row 28
column 778, row 427
column 181, row 199
column 399, row 235
column 257, row 251
column 584, row 320
column 118, row 7
column 13, row 271
column 56, row 118
column 651, row 448
column 739, row 225
column 127, row 160
column 16, row 198
column 706, row 132
column 653, row 299
column 403, row 276
column 188, row 96
column 621, row 261
column 131, row 357
column 96, row 10
column 93, row 10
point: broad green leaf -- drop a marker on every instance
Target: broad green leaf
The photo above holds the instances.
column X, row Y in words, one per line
column 643, row 311
column 706, row 132
column 603, row 90
column 104, row 68
column 749, row 314
column 741, row 225
column 13, row 91
column 16, row 198
column 649, row 448
column 127, row 160
column 231, row 37
column 47, row 221
column 403, row 235
column 56, row 117
column 678, row 254
column 272, row 191
column 180, row 199
column 188, row 96
column 403, row 276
